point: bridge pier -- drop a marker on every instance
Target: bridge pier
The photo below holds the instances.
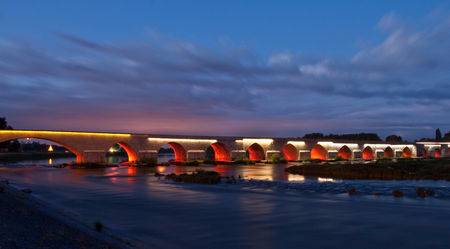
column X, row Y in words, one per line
column 93, row 156
column 196, row 155
column 147, row 154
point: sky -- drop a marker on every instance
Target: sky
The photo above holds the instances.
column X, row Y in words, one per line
column 247, row 68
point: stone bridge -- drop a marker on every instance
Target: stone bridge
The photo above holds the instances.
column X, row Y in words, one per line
column 93, row 146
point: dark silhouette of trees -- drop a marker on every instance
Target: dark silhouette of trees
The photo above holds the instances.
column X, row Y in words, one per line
column 355, row 136
column 394, row 139
column 313, row 136
column 12, row 146
column 4, row 124
column 447, row 136
column 438, row 135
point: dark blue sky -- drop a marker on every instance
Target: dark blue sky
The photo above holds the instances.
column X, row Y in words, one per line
column 269, row 68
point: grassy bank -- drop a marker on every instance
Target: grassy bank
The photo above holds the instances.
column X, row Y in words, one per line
column 412, row 169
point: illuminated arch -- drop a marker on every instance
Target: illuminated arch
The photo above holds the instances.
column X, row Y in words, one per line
column 345, row 153
column 388, row 152
column 367, row 153
column 179, row 151
column 319, row 152
column 256, row 152
column 437, row 153
column 131, row 153
column 78, row 154
column 290, row 152
column 406, row 153
column 221, row 153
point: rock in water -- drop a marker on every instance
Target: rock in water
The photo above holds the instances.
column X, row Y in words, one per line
column 397, row 193
column 352, row 191
column 424, row 192
column 26, row 190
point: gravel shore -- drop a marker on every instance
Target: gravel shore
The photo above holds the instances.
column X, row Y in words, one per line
column 25, row 222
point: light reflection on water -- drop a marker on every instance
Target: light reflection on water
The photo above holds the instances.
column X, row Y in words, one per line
column 257, row 172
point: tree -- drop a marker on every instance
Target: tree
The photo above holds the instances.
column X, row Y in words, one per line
column 4, row 124
column 394, row 139
column 313, row 136
column 438, row 135
column 9, row 145
column 447, row 136
column 352, row 136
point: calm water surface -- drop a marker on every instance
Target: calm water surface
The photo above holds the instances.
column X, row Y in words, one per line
column 168, row 215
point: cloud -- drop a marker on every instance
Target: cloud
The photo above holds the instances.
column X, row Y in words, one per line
column 166, row 85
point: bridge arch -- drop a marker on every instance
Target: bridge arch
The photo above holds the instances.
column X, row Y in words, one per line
column 290, row 152
column 255, row 152
column 179, row 151
column 221, row 152
column 132, row 155
column 78, row 154
column 368, row 153
column 345, row 153
column 406, row 153
column 319, row 152
column 388, row 152
column 437, row 153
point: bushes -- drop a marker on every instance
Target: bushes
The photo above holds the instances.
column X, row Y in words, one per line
column 243, row 162
column 384, row 170
column 211, row 162
column 275, row 159
column 191, row 163
column 201, row 177
column 150, row 162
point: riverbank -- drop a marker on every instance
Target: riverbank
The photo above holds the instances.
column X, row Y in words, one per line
column 20, row 156
column 27, row 222
column 406, row 169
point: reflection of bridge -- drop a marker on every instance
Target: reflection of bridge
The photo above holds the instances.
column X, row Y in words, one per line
column 92, row 146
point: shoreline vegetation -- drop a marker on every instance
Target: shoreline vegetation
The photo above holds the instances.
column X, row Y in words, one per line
column 383, row 169
column 200, row 177
column 11, row 157
column 28, row 222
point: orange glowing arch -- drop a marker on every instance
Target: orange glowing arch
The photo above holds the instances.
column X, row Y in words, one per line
column 345, row 153
column 132, row 154
column 290, row 152
column 367, row 153
column 256, row 152
column 221, row 153
column 437, row 153
column 78, row 154
column 319, row 152
column 179, row 151
column 388, row 152
column 406, row 153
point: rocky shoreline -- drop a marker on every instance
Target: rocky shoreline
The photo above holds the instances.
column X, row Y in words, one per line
column 27, row 222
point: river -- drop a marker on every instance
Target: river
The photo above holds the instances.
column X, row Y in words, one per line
column 161, row 214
